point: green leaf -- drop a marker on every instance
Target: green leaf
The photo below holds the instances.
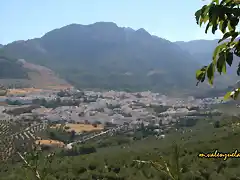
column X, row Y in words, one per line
column 227, row 95
column 207, row 27
column 216, row 1
column 223, row 26
column 229, row 58
column 210, row 73
column 197, row 15
column 224, row 68
column 230, row 28
column 214, row 28
column 201, row 74
column 213, row 16
column 234, row 22
column 204, row 68
column 216, row 52
column 232, row 34
column 203, row 20
column 221, row 63
column 204, row 10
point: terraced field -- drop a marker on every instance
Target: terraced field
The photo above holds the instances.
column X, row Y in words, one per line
column 78, row 128
column 50, row 142
column 15, row 137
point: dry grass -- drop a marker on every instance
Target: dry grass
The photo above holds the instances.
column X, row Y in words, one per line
column 50, row 142
column 37, row 90
column 78, row 128
column 23, row 90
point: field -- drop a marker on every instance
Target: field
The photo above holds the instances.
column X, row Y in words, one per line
column 23, row 91
column 35, row 90
column 50, row 142
column 78, row 128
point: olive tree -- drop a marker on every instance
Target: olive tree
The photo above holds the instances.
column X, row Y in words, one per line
column 221, row 15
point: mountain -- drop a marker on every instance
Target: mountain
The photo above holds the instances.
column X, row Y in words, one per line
column 1, row 45
column 202, row 50
column 103, row 55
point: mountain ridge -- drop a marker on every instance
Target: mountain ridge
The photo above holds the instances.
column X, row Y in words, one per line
column 103, row 55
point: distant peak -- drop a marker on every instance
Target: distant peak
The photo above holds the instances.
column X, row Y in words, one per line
column 102, row 23
column 142, row 31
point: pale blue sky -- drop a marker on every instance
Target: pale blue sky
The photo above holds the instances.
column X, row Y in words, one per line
column 170, row 19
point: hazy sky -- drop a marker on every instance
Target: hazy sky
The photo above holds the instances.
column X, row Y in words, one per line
column 171, row 19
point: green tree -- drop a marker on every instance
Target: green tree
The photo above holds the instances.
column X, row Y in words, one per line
column 171, row 169
column 221, row 15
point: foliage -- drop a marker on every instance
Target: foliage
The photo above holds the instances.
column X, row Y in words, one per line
column 115, row 162
column 78, row 150
column 17, row 137
column 173, row 171
column 31, row 162
column 59, row 135
column 221, row 15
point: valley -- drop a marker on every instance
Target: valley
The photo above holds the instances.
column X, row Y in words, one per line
column 90, row 125
column 82, row 98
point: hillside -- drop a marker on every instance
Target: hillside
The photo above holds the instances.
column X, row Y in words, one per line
column 42, row 77
column 18, row 73
column 103, row 55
